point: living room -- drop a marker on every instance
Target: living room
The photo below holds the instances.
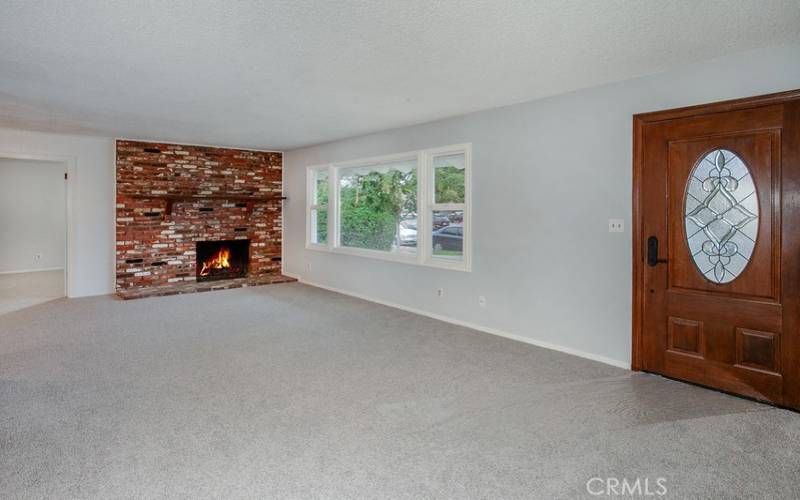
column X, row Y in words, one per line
column 399, row 249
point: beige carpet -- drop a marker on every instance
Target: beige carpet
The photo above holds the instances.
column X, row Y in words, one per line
column 21, row 290
column 288, row 391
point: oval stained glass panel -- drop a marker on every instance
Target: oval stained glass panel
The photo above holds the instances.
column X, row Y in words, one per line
column 721, row 216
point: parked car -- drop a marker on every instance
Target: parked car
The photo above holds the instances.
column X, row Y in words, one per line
column 449, row 238
column 410, row 223
column 407, row 233
column 440, row 220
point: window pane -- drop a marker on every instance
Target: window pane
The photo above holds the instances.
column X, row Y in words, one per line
column 721, row 216
column 449, row 178
column 448, row 234
column 319, row 226
column 321, row 187
column 379, row 207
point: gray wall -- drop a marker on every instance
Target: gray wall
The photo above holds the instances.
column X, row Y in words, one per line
column 547, row 176
column 32, row 215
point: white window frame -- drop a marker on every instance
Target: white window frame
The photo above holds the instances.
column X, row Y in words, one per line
column 311, row 196
column 425, row 207
column 430, row 206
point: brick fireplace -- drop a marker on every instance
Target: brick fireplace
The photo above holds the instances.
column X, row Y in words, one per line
column 195, row 218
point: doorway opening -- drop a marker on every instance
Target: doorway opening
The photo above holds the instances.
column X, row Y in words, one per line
column 33, row 232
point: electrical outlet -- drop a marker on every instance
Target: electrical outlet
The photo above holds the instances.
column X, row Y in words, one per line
column 482, row 301
column 440, row 292
column 616, row 225
column 37, row 257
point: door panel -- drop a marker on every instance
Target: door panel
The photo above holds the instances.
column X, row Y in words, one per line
column 714, row 188
column 760, row 278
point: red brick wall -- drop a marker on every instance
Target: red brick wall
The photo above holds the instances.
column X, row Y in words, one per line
column 155, row 251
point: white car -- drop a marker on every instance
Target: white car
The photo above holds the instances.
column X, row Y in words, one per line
column 407, row 233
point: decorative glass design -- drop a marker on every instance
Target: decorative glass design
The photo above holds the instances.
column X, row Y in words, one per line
column 721, row 216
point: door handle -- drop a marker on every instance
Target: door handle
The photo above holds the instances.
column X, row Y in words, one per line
column 652, row 252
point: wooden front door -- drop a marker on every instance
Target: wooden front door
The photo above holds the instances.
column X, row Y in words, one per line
column 717, row 246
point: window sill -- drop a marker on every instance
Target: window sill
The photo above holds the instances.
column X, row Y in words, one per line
column 412, row 259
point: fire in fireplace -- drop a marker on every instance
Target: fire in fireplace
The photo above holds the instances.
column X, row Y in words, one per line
column 219, row 260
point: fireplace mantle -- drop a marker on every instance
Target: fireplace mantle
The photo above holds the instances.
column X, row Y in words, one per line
column 236, row 198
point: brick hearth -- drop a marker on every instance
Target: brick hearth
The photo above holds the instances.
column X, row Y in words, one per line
column 171, row 196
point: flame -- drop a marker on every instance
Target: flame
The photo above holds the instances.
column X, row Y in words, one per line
column 217, row 261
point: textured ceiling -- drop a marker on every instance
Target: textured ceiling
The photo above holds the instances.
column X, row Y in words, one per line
column 282, row 74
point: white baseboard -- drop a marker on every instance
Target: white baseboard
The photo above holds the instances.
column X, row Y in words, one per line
column 485, row 329
column 20, row 271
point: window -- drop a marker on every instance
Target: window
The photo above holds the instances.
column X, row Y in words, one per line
column 411, row 207
column 447, row 209
column 721, row 216
column 378, row 206
column 318, row 209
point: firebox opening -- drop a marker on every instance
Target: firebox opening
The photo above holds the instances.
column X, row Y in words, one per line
column 219, row 260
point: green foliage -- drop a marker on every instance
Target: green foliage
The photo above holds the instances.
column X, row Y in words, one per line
column 449, row 184
column 371, row 206
column 321, row 198
column 322, row 188
column 365, row 228
column 322, row 226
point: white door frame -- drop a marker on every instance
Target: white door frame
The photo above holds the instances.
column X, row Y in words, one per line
column 71, row 169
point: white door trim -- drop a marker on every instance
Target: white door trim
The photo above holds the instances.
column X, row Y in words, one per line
column 70, row 165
